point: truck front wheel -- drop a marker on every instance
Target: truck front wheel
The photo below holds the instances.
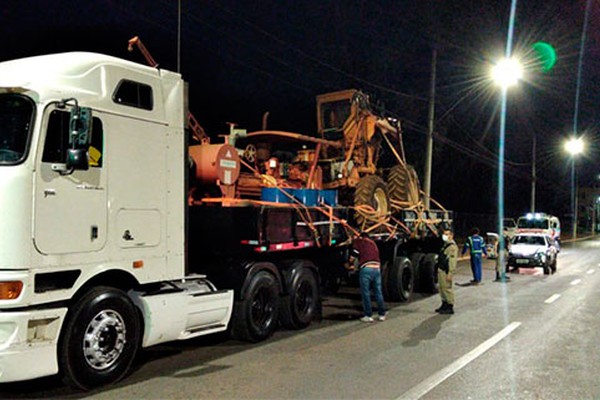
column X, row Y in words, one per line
column 100, row 339
column 255, row 317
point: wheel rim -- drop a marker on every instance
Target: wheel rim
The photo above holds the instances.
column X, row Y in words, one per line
column 262, row 308
column 380, row 198
column 304, row 298
column 104, row 339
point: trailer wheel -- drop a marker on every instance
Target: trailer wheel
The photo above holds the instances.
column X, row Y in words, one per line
column 300, row 306
column 371, row 191
column 427, row 278
column 400, row 279
column 255, row 318
column 100, row 339
column 403, row 185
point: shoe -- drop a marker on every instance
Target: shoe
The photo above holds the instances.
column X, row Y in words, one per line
column 381, row 318
column 448, row 310
column 440, row 308
column 367, row 319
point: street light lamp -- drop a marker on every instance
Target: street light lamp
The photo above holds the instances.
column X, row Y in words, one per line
column 574, row 147
column 507, row 72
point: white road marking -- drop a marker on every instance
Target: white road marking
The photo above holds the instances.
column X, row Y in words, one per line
column 434, row 380
column 591, row 271
column 576, row 282
column 552, row 299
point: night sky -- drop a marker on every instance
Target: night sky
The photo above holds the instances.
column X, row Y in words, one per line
column 242, row 58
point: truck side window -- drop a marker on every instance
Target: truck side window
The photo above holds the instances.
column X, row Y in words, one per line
column 134, row 94
column 57, row 139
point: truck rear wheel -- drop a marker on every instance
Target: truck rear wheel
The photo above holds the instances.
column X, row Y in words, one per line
column 255, row 317
column 399, row 280
column 427, row 277
column 100, row 339
column 371, row 191
column 301, row 305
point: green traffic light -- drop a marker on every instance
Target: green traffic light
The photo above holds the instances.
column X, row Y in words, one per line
column 546, row 55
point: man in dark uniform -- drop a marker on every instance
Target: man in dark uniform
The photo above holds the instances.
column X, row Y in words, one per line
column 446, row 270
column 365, row 250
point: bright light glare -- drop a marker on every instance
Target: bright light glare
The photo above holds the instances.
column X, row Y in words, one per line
column 507, row 72
column 574, row 146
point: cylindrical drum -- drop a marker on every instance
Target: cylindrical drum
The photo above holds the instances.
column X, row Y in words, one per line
column 216, row 162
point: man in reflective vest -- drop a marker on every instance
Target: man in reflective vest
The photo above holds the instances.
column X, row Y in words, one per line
column 476, row 246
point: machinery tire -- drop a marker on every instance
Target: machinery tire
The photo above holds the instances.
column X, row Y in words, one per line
column 302, row 303
column 403, row 184
column 100, row 339
column 371, row 191
column 399, row 280
column 427, row 277
column 255, row 317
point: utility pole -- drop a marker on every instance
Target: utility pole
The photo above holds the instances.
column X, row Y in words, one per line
column 533, row 174
column 430, row 129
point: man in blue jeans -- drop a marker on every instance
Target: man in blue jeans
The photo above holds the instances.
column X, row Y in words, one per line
column 369, row 275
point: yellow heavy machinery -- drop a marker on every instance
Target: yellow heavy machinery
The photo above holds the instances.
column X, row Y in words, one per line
column 344, row 155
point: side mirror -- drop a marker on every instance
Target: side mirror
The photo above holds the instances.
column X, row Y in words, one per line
column 80, row 137
column 77, row 159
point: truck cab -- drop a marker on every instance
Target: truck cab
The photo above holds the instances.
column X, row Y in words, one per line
column 93, row 238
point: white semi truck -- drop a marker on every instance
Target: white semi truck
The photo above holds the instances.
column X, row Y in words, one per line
column 102, row 251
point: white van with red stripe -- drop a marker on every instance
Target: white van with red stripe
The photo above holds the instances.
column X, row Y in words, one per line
column 539, row 223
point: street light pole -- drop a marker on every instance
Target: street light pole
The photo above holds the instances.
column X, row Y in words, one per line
column 506, row 73
column 574, row 146
column 533, row 174
column 431, row 117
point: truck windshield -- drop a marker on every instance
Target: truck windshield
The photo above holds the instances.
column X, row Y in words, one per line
column 535, row 223
column 16, row 116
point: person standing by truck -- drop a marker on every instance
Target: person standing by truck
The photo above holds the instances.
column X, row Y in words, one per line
column 369, row 276
column 502, row 247
column 446, row 269
column 476, row 246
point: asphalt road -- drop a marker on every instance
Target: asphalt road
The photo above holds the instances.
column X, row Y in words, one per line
column 535, row 337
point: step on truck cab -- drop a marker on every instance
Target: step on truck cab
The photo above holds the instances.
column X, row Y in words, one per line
column 93, row 198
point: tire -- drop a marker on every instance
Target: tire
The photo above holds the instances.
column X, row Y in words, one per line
column 371, row 191
column 415, row 259
column 255, row 317
column 427, row 278
column 553, row 266
column 332, row 284
column 403, row 185
column 301, row 305
column 546, row 269
column 399, row 280
column 100, row 339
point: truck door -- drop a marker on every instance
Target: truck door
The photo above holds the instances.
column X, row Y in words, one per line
column 70, row 210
